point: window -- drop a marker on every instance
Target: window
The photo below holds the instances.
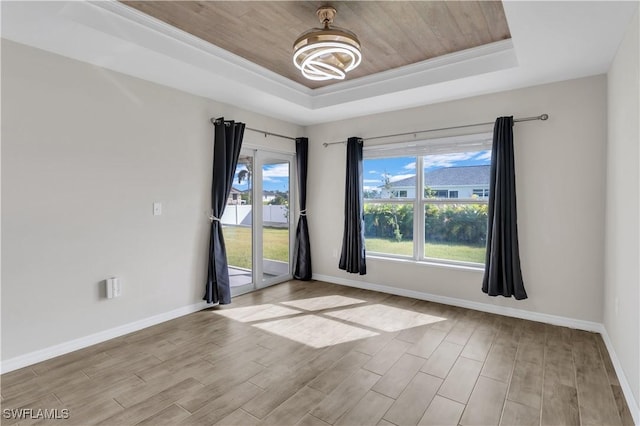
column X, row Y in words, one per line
column 445, row 219
column 388, row 212
column 481, row 193
column 257, row 228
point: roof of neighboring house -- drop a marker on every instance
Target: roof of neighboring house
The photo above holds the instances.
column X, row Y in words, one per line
column 450, row 176
column 235, row 191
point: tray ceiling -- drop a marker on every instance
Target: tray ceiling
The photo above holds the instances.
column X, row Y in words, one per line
column 115, row 36
column 393, row 34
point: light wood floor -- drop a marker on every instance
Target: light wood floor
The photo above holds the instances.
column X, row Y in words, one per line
column 312, row 353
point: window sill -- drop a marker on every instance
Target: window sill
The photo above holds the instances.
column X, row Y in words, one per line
column 446, row 265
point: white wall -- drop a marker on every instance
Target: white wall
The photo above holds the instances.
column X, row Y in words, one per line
column 560, row 180
column 85, row 153
column 622, row 277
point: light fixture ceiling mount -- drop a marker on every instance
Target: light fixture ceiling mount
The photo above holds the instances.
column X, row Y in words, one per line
column 326, row 53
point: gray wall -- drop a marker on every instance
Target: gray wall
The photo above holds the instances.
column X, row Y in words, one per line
column 622, row 279
column 560, row 180
column 85, row 153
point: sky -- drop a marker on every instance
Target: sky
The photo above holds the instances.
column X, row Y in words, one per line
column 403, row 167
column 276, row 176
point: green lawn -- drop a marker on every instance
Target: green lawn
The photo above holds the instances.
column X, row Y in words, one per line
column 276, row 247
column 434, row 250
column 238, row 243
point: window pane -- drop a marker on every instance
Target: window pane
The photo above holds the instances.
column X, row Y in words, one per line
column 275, row 219
column 456, row 232
column 389, row 228
column 457, row 175
column 481, row 193
column 237, row 224
column 389, row 178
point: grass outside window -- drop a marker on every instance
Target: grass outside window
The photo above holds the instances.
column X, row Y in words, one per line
column 276, row 247
column 459, row 252
column 238, row 243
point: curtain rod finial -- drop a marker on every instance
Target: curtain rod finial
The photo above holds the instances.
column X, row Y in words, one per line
column 544, row 117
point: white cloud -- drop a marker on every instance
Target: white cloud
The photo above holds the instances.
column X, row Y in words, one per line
column 372, row 181
column 276, row 170
column 396, row 178
column 483, row 155
column 373, row 172
column 446, row 160
column 410, row 166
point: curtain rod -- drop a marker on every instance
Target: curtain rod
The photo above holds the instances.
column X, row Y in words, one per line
column 516, row 120
column 264, row 132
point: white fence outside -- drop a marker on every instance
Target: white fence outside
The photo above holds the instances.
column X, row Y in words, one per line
column 243, row 215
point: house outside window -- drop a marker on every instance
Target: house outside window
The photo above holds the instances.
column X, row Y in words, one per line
column 444, row 219
column 481, row 193
column 235, row 197
column 441, row 193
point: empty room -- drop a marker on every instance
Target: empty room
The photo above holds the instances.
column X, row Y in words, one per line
column 320, row 213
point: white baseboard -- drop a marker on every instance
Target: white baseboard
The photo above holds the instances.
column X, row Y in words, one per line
column 478, row 306
column 633, row 405
column 83, row 342
column 510, row 312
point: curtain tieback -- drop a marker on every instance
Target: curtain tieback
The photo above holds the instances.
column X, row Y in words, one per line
column 212, row 218
column 303, row 212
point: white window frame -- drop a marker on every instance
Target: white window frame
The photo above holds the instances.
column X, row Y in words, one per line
column 261, row 157
column 484, row 192
column 418, row 150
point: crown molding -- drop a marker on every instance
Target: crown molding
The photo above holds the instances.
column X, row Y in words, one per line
column 479, row 60
column 466, row 63
column 154, row 34
column 113, row 35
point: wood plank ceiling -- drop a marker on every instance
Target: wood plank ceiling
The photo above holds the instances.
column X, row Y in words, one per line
column 392, row 33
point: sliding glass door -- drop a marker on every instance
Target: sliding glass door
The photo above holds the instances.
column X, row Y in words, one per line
column 276, row 223
column 257, row 222
column 237, row 226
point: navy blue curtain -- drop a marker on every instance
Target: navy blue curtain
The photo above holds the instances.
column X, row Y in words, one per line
column 226, row 150
column 353, row 257
column 302, row 250
column 502, row 274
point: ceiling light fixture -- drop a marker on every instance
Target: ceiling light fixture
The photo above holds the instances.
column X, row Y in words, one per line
column 326, row 53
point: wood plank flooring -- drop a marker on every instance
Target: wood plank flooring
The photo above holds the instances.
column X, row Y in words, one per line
column 312, row 353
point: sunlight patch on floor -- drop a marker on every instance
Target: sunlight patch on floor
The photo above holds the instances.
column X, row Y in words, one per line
column 315, row 331
column 383, row 317
column 257, row 312
column 323, row 302
column 325, row 328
